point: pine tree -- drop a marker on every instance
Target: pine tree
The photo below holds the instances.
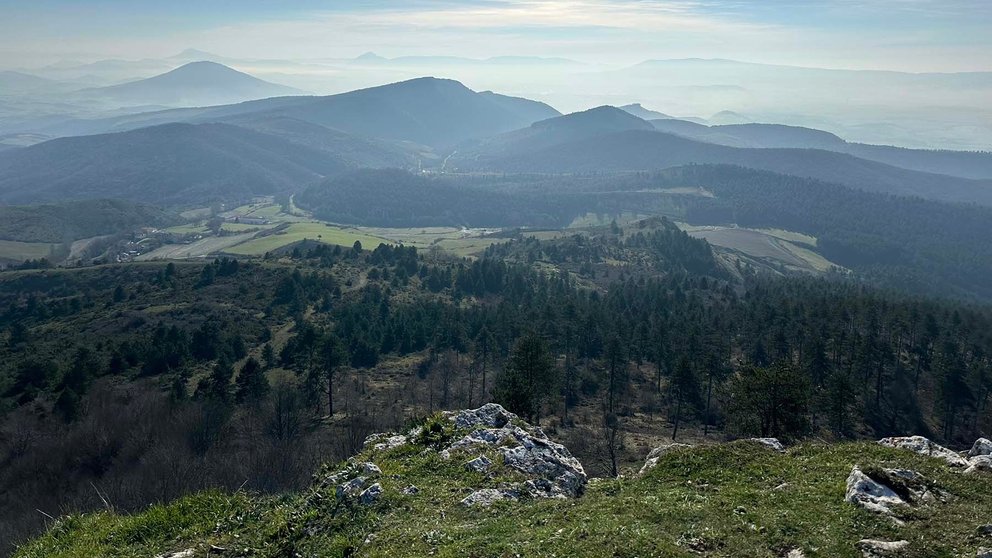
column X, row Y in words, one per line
column 252, row 385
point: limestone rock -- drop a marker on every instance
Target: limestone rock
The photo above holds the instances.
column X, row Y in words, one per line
column 651, row 461
column 188, row 553
column 480, row 464
column 489, row 415
column 370, row 495
column 350, row 488
column 985, row 530
column 795, row 553
column 528, row 450
column 874, row 496
column 979, row 464
column 410, row 490
column 982, row 446
column 384, row 441
column 488, row 496
column 770, row 443
column 882, row 549
column 984, row 553
column 924, row 446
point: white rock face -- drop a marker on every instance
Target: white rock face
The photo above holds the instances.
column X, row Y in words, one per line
column 410, row 490
column 480, row 464
column 770, row 443
column 370, row 495
column 351, row 488
column 489, row 496
column 979, row 464
column 924, row 446
column 188, row 553
column 864, row 491
column 982, row 446
column 795, row 553
column 384, row 441
column 489, row 415
column 882, row 549
column 651, row 461
column 526, row 450
column 984, row 553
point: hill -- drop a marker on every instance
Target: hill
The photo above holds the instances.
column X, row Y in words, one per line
column 193, row 84
column 964, row 164
column 168, row 164
column 70, row 221
column 551, row 132
column 428, row 111
column 646, row 114
column 480, row 482
column 547, row 150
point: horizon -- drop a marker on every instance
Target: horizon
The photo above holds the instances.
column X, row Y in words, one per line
column 917, row 36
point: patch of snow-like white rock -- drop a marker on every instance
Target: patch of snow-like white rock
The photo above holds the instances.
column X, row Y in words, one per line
column 982, row 446
column 770, row 443
column 882, row 549
column 651, row 461
column 923, row 446
column 870, row 494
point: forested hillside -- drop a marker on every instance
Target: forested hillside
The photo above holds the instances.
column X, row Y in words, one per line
column 247, row 374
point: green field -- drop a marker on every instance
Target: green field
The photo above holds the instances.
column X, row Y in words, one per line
column 13, row 250
column 322, row 232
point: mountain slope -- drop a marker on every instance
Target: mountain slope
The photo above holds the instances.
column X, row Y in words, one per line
column 555, row 131
column 964, row 164
column 637, row 110
column 634, row 150
column 193, row 84
column 75, row 220
column 403, row 498
column 174, row 163
column 429, row 111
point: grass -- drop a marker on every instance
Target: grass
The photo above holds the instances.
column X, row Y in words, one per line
column 737, row 499
column 295, row 232
column 13, row 250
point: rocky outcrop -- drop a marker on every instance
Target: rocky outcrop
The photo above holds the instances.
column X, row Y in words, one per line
column 651, row 461
column 491, row 430
column 984, row 553
column 870, row 494
column 882, row 549
column 982, row 446
column 885, row 490
column 370, row 495
column 979, row 464
column 480, row 464
column 924, row 446
column 489, row 496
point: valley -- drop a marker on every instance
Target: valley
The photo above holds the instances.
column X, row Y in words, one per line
column 508, row 305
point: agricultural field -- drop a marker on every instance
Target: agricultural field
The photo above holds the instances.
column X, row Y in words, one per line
column 295, row 232
column 20, row 251
column 779, row 246
column 199, row 249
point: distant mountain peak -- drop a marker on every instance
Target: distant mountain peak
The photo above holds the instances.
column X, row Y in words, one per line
column 601, row 118
column 197, row 83
column 639, row 111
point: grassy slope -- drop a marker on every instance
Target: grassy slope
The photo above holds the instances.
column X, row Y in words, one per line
column 714, row 501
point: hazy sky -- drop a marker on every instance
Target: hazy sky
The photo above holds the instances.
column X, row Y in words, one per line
column 910, row 35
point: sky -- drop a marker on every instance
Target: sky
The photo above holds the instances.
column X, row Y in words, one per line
column 904, row 35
